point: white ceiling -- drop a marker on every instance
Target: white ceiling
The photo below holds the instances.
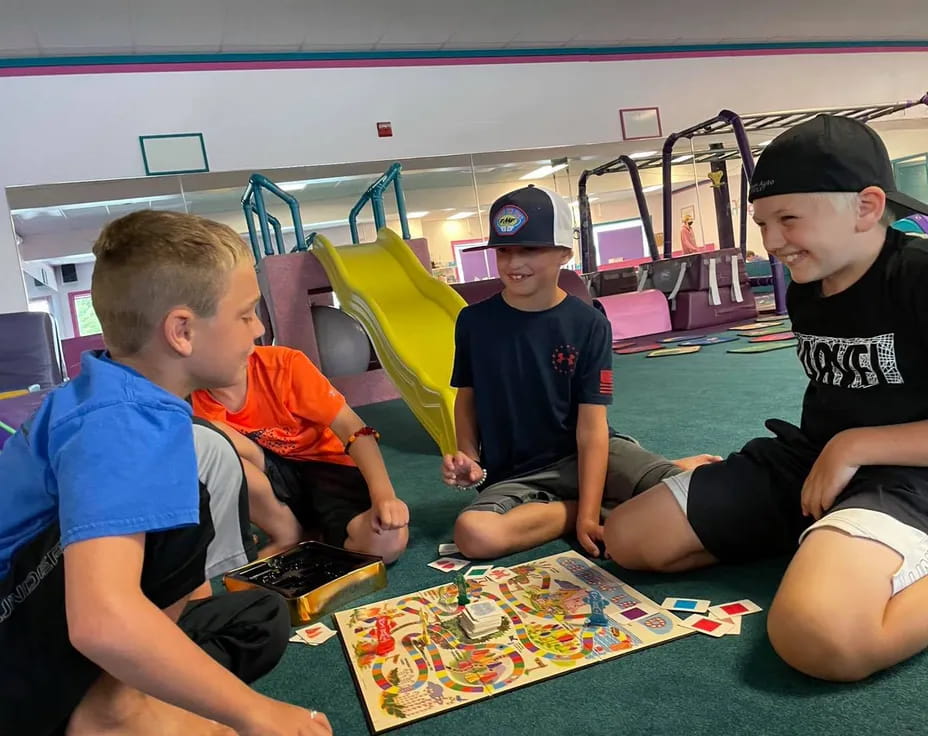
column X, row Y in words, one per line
column 79, row 27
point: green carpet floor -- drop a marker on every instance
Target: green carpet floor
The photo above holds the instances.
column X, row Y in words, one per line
column 707, row 402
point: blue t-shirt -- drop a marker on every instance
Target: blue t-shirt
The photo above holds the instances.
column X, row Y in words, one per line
column 530, row 372
column 109, row 453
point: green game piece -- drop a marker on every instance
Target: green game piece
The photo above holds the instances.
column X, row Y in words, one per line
column 764, row 347
column 463, row 600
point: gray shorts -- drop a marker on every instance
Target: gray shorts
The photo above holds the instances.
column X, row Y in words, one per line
column 632, row 470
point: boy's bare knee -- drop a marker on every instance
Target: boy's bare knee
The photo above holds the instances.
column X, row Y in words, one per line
column 389, row 544
column 821, row 645
column 477, row 535
column 628, row 547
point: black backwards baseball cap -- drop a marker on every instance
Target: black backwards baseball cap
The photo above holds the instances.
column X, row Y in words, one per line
column 829, row 154
column 531, row 217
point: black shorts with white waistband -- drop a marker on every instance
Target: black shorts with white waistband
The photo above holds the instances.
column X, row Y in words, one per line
column 748, row 506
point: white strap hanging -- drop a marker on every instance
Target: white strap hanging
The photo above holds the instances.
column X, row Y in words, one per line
column 671, row 297
column 736, row 295
column 715, row 298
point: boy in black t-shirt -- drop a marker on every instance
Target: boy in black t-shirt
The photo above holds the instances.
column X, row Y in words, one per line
column 850, row 485
column 533, row 369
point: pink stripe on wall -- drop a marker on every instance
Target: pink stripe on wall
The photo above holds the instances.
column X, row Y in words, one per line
column 206, row 66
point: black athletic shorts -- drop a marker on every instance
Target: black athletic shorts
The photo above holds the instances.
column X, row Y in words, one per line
column 322, row 496
column 748, row 505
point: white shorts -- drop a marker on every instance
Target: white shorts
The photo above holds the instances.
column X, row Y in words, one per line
column 910, row 543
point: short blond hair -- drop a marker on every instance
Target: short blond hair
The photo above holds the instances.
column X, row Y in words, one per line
column 151, row 261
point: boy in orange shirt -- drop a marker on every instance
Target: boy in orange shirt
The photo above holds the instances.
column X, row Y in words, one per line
column 310, row 462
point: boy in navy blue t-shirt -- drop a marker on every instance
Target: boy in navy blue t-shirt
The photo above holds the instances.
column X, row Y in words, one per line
column 108, row 510
column 533, row 369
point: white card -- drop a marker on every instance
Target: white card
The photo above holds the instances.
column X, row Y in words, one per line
column 692, row 605
column 448, row 564
column 706, row 625
column 735, row 622
column 477, row 572
column 296, row 639
column 315, row 634
column 500, row 574
column 449, row 548
column 734, row 608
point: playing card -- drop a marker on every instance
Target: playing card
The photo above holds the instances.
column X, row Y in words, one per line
column 477, row 572
column 673, row 351
column 315, row 634
column 711, row 340
column 448, row 564
column 764, row 347
column 638, row 348
column 296, row 639
column 619, row 344
column 772, row 318
column 706, row 625
column 449, row 548
column 693, row 605
column 735, row 625
column 482, row 610
column 735, row 608
column 773, row 337
column 500, row 574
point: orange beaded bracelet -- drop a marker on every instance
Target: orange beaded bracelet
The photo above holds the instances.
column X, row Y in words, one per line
column 361, row 433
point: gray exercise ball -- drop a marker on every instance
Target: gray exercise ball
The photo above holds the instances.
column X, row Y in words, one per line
column 344, row 348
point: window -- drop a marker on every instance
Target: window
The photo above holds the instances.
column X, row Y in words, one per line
column 83, row 317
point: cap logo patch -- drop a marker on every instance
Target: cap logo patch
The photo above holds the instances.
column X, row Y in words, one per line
column 759, row 186
column 509, row 220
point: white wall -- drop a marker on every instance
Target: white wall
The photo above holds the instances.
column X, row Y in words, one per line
column 74, row 128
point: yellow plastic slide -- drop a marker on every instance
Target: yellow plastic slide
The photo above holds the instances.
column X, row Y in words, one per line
column 409, row 316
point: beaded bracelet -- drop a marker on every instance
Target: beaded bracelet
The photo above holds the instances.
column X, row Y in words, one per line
column 475, row 486
column 364, row 431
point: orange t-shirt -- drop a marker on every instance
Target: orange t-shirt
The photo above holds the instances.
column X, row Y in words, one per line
column 289, row 407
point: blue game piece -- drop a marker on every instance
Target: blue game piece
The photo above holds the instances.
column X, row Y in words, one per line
column 597, row 603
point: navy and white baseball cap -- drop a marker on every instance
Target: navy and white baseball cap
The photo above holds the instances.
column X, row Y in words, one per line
column 531, row 217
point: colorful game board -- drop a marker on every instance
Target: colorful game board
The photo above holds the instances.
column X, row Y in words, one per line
column 432, row 666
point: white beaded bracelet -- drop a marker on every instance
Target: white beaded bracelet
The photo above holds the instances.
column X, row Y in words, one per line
column 475, row 486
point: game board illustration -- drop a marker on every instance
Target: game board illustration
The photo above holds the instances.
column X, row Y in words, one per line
column 411, row 658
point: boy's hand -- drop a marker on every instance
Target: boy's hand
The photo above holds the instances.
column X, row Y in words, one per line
column 460, row 470
column 390, row 513
column 282, row 719
column 830, row 475
column 589, row 532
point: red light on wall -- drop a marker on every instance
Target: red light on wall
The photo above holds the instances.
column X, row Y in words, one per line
column 385, row 130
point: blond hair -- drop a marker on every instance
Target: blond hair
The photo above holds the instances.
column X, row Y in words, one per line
column 149, row 262
column 849, row 201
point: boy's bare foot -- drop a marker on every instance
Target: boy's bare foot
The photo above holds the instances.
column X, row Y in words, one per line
column 694, row 461
column 112, row 709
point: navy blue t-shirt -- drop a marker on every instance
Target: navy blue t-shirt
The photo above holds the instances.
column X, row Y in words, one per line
column 530, row 372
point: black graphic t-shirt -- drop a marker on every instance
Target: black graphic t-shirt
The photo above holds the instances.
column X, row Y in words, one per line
column 530, row 371
column 865, row 349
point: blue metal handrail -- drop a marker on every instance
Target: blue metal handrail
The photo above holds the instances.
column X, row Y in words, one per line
column 374, row 195
column 253, row 204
